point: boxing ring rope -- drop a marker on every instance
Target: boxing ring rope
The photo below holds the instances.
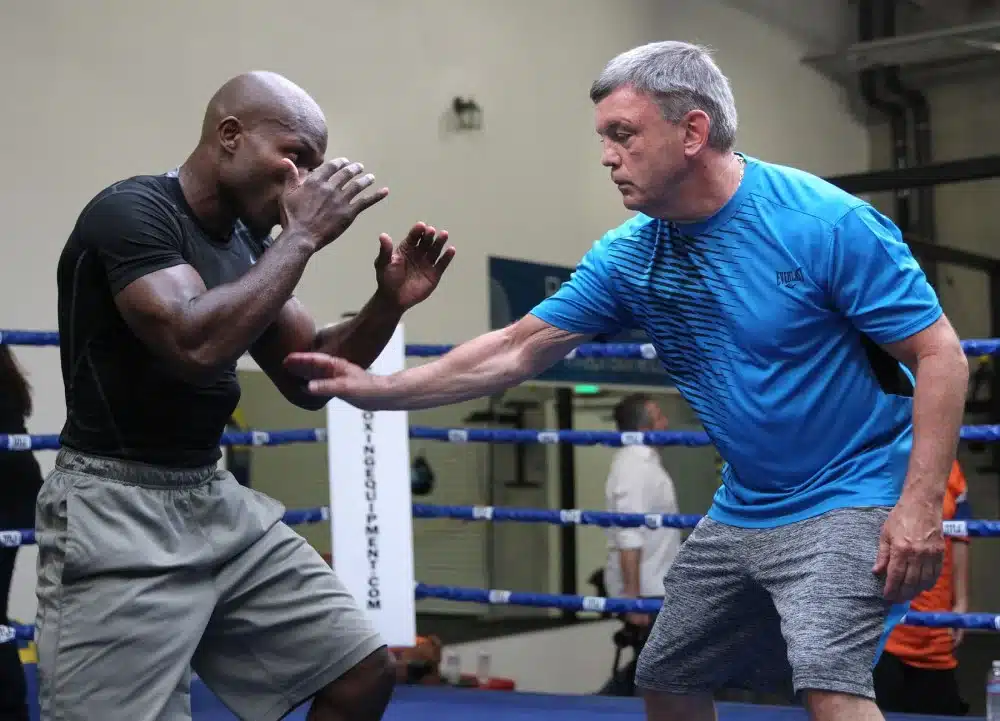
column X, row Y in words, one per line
column 635, row 351
column 970, row 528
column 573, row 517
column 614, row 439
column 595, row 604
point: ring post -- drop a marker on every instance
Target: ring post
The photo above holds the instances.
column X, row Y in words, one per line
column 370, row 506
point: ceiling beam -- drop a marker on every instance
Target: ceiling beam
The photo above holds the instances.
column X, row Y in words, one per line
column 956, row 43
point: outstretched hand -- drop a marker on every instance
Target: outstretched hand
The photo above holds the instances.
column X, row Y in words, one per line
column 334, row 377
column 410, row 272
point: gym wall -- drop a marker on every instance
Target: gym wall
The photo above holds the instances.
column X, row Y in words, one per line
column 964, row 101
column 98, row 92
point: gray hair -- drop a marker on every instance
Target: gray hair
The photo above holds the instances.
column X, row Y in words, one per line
column 682, row 77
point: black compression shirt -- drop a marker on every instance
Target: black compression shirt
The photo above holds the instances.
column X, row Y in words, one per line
column 121, row 401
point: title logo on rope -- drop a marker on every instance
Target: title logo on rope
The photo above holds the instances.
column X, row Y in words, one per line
column 955, row 528
column 19, row 442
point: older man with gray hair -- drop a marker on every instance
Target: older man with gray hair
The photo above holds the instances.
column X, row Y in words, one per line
column 796, row 323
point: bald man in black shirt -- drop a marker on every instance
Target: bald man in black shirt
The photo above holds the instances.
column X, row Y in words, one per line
column 151, row 560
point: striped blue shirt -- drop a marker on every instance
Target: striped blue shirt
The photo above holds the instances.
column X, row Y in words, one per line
column 768, row 318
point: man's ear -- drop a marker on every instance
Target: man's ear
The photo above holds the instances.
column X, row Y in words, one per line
column 697, row 126
column 230, row 134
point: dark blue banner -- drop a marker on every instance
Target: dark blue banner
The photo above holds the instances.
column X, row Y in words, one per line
column 517, row 286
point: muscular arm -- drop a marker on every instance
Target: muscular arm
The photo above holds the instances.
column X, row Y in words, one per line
column 937, row 361
column 359, row 340
column 139, row 240
column 201, row 332
column 482, row 366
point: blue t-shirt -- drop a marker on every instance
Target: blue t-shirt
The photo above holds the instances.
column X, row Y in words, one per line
column 767, row 318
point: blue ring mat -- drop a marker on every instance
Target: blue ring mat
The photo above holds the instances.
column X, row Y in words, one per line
column 428, row 703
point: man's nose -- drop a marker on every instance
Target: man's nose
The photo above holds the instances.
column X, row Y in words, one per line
column 610, row 157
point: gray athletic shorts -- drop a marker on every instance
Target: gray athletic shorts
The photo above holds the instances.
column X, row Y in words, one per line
column 781, row 609
column 146, row 572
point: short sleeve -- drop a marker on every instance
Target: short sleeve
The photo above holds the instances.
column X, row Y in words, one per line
column 625, row 496
column 875, row 280
column 586, row 303
column 133, row 235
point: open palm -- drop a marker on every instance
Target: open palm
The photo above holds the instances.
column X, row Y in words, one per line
column 411, row 271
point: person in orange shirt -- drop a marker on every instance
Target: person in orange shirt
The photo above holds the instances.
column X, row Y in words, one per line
column 916, row 673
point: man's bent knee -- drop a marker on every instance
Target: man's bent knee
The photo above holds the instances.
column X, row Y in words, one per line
column 662, row 706
column 361, row 694
column 837, row 706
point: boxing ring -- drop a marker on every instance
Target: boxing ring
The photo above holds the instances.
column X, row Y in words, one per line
column 444, row 703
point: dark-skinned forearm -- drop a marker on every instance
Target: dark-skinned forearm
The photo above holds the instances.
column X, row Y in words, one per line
column 362, row 338
column 221, row 324
column 938, row 406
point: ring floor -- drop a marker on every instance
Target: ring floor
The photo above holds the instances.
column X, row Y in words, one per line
column 416, row 703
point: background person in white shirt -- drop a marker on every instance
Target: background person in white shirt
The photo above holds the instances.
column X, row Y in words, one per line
column 638, row 558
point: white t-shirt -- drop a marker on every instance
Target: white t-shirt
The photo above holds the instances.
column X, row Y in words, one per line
column 638, row 483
